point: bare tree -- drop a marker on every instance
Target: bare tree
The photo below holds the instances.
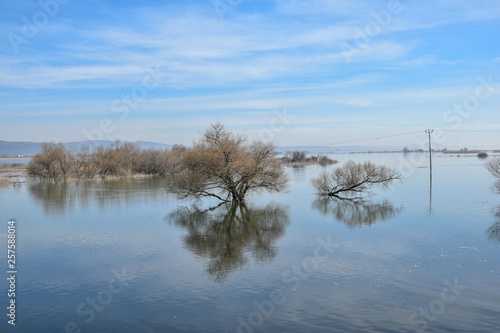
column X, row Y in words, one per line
column 158, row 162
column 85, row 164
column 221, row 166
column 493, row 166
column 118, row 159
column 325, row 160
column 355, row 178
column 174, row 163
column 56, row 162
column 53, row 163
column 298, row 156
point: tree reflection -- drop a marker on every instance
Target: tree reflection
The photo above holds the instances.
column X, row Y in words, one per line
column 60, row 197
column 496, row 187
column 493, row 232
column 226, row 233
column 55, row 197
column 356, row 213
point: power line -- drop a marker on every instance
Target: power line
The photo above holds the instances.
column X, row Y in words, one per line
column 485, row 131
column 407, row 133
column 373, row 138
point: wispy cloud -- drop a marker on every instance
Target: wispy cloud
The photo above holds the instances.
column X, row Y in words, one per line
column 285, row 52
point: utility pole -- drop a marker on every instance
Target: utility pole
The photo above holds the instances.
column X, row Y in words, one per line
column 429, row 131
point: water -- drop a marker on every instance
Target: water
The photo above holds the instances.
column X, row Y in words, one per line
column 9, row 161
column 126, row 256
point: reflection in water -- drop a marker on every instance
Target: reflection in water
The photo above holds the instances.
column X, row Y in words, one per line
column 356, row 213
column 226, row 233
column 298, row 171
column 430, row 193
column 493, row 232
column 59, row 197
column 496, row 187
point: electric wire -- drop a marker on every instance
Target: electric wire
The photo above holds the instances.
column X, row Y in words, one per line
column 407, row 133
column 373, row 138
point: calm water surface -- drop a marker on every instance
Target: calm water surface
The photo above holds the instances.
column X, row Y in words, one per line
column 126, row 256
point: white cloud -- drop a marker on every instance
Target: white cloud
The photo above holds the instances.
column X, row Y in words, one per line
column 194, row 50
column 243, row 67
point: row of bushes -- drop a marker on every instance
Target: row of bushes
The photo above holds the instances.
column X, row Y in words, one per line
column 300, row 157
column 56, row 162
column 121, row 159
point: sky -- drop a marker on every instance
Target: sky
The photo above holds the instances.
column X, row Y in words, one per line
column 299, row 73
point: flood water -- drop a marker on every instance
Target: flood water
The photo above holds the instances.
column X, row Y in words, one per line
column 126, row 256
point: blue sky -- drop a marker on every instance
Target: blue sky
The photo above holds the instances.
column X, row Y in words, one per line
column 298, row 72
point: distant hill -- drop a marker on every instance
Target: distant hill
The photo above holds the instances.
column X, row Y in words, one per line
column 29, row 149
column 10, row 149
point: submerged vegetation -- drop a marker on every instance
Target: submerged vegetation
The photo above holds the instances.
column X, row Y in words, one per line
column 56, row 162
column 299, row 158
column 11, row 174
column 223, row 165
column 493, row 167
column 354, row 177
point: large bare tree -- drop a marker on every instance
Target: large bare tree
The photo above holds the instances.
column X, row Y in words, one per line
column 354, row 178
column 223, row 166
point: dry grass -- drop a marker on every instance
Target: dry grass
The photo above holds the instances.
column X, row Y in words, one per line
column 4, row 181
column 10, row 179
column 15, row 158
column 10, row 175
column 8, row 182
column 13, row 168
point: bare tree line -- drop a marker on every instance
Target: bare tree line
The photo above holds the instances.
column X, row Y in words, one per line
column 220, row 165
column 120, row 159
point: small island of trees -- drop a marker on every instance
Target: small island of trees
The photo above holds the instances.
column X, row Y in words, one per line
column 120, row 159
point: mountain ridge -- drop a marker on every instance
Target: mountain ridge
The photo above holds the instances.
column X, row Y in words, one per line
column 28, row 148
